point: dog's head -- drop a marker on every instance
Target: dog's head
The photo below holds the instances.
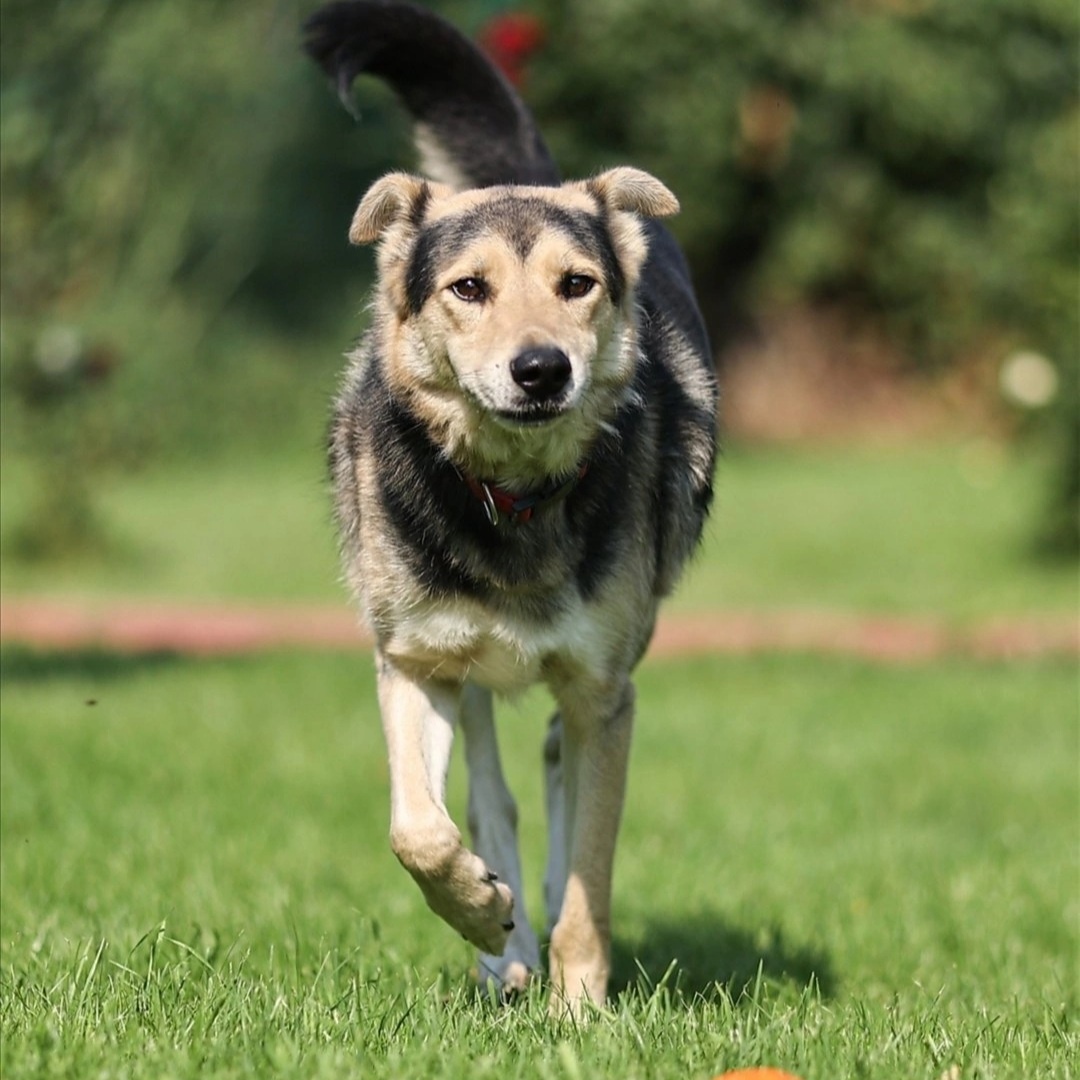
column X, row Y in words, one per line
column 507, row 313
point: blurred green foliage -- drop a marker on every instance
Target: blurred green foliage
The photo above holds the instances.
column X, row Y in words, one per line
column 917, row 158
column 177, row 182
column 914, row 160
column 176, row 188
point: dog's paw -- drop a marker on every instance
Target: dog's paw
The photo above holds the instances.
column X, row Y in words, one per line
column 579, row 971
column 510, row 975
column 485, row 913
column 470, row 897
column 579, row 998
column 504, row 977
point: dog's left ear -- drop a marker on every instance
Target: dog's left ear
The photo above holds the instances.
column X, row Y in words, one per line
column 634, row 191
column 628, row 195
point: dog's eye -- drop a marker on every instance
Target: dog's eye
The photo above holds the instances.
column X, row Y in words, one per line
column 470, row 289
column 575, row 286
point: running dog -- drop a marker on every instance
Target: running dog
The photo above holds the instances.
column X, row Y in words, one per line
column 522, row 454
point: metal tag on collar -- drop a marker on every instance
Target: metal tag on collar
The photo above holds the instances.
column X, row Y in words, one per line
column 490, row 508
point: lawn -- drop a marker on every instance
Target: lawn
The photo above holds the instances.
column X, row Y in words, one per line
column 939, row 530
column 842, row 869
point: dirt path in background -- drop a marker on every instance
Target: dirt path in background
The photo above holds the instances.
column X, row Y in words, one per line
column 216, row 629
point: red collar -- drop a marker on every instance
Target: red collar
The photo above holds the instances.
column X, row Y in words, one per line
column 502, row 505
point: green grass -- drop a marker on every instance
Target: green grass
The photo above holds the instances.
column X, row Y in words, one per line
column 942, row 530
column 232, row 529
column 855, row 871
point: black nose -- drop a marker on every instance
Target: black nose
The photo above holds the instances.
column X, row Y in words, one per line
column 541, row 372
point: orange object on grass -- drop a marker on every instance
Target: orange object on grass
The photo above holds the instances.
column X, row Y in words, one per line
column 757, row 1074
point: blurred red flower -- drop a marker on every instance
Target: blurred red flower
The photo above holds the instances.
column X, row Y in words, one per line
column 510, row 40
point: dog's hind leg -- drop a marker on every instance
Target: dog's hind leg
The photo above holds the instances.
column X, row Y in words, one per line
column 493, row 825
column 558, row 826
column 418, row 720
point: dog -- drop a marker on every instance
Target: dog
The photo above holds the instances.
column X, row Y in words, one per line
column 522, row 456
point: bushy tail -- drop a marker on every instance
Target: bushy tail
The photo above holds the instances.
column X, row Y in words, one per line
column 472, row 129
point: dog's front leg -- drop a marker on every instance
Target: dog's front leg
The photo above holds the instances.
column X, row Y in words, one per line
column 596, row 752
column 418, row 720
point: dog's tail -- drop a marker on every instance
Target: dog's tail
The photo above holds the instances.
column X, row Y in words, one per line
column 472, row 129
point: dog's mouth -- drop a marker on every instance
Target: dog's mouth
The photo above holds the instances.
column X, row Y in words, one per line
column 531, row 415
column 516, row 411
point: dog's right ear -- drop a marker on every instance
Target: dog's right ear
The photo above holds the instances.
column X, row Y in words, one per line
column 396, row 196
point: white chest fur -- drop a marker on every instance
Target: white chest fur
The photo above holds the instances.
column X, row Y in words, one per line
column 460, row 639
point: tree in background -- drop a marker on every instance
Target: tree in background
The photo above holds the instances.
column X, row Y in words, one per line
column 176, row 178
column 174, row 187
column 914, row 161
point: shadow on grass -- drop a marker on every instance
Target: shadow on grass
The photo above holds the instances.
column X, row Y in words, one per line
column 20, row 664
column 708, row 951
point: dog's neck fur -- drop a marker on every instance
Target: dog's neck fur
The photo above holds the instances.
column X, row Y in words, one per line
column 515, row 508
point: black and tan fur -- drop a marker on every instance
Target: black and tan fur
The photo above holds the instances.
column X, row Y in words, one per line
column 542, row 339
